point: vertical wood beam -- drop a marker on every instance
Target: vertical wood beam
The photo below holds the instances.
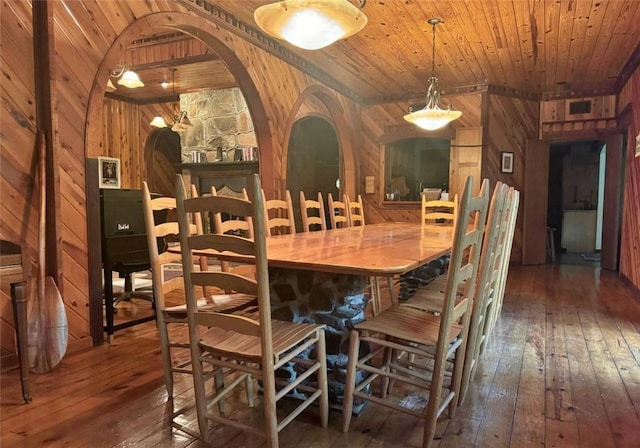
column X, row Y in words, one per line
column 535, row 200
column 612, row 208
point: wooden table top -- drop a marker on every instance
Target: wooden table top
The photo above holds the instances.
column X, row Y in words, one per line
column 373, row 249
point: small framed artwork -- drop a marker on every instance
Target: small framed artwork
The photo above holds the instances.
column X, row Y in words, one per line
column 506, row 164
column 108, row 172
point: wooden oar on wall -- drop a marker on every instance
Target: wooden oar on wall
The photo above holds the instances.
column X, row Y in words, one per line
column 47, row 330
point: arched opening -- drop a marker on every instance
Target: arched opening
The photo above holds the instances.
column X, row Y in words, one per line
column 203, row 30
column 313, row 161
column 162, row 160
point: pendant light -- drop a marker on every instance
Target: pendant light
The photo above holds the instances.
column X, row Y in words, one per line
column 180, row 120
column 433, row 117
column 311, row 24
column 126, row 78
column 130, row 79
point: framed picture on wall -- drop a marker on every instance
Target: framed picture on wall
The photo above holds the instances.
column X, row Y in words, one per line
column 506, row 164
column 109, row 172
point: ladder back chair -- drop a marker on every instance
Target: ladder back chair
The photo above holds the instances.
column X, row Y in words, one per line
column 438, row 210
column 170, row 302
column 337, row 213
column 433, row 339
column 238, row 347
column 312, row 212
column 355, row 217
column 429, row 299
column 236, row 226
column 355, row 211
column 510, row 216
column 278, row 215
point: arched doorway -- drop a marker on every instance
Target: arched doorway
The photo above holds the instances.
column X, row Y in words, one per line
column 206, row 32
column 313, row 160
column 162, row 160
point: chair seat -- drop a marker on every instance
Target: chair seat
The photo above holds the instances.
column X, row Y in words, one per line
column 408, row 323
column 221, row 303
column 286, row 335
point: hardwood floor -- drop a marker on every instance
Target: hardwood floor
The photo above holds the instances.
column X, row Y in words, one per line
column 561, row 370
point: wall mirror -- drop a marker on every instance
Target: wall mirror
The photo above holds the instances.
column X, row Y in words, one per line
column 413, row 164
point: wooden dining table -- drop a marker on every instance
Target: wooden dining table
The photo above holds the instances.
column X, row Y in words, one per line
column 322, row 277
column 374, row 249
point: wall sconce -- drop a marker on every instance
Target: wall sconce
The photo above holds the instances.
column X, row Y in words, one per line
column 311, row 24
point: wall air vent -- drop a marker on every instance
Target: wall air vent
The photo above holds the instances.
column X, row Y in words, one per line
column 580, row 107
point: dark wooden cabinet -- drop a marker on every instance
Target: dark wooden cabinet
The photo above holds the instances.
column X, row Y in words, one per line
column 232, row 175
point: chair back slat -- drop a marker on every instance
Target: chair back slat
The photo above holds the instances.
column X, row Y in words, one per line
column 229, row 322
column 337, row 213
column 224, row 280
column 278, row 215
column 308, row 206
column 432, row 210
column 250, row 211
column 355, row 211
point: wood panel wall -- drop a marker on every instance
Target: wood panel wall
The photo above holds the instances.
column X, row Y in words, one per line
column 91, row 36
column 555, row 117
column 630, row 240
column 378, row 122
column 19, row 205
column 508, row 124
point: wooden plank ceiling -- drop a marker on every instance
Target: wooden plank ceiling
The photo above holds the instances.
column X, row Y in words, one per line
column 540, row 47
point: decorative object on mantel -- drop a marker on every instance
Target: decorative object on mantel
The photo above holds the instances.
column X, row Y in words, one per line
column 311, row 24
column 432, row 116
column 180, row 120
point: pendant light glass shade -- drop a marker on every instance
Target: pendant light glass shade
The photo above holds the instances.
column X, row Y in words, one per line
column 158, row 122
column 110, row 86
column 130, row 79
column 310, row 24
column 432, row 116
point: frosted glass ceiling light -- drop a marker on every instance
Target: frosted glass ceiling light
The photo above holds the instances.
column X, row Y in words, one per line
column 432, row 116
column 130, row 79
column 311, row 24
column 158, row 122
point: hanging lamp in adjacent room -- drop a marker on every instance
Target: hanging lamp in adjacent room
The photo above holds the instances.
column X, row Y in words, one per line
column 432, row 116
column 180, row 119
column 311, row 24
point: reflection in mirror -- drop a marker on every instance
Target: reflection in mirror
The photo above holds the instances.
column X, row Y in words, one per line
column 414, row 164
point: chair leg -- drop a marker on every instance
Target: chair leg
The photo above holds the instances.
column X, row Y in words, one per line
column 350, row 381
column 322, row 378
column 198, row 387
column 435, row 392
column 389, row 354
column 165, row 352
column 270, row 416
column 219, row 385
column 248, row 382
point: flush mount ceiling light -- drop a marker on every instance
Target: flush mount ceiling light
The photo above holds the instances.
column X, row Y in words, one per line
column 433, row 116
column 180, row 120
column 311, row 24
